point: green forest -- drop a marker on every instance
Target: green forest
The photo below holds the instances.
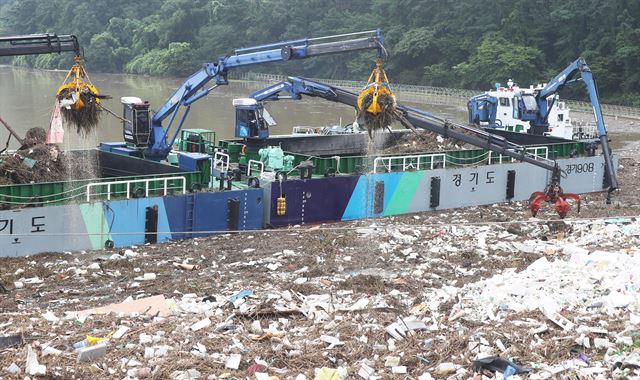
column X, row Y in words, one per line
column 462, row 43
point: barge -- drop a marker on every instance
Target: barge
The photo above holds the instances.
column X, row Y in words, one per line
column 169, row 182
column 233, row 190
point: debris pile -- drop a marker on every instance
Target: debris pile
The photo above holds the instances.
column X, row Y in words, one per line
column 414, row 296
column 35, row 161
column 475, row 293
column 421, row 141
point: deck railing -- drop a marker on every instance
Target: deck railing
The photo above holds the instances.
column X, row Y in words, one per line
column 144, row 184
column 413, row 162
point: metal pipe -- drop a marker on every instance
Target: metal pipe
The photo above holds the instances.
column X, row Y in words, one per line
column 14, row 133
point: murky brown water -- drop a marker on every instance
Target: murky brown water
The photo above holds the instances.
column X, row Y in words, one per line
column 26, row 100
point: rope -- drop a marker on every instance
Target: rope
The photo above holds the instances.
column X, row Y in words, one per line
column 40, row 202
column 530, row 221
column 113, row 114
column 70, row 197
column 41, row 196
column 482, row 155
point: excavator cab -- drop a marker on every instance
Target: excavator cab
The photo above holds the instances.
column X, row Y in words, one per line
column 136, row 121
column 250, row 122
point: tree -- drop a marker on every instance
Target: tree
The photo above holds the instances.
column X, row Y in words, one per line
column 497, row 59
column 174, row 60
column 103, row 52
column 448, row 43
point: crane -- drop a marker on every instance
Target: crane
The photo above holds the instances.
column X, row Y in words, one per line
column 251, row 124
column 536, row 107
column 149, row 135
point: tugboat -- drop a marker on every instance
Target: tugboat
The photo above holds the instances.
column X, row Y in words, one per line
column 504, row 102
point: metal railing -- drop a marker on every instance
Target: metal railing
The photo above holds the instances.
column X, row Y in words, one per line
column 585, row 130
column 252, row 164
column 444, row 95
column 138, row 182
column 539, row 153
column 607, row 109
column 220, row 161
column 298, row 130
column 409, row 162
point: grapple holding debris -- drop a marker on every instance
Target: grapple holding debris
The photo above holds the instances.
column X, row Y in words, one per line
column 376, row 102
column 553, row 193
column 79, row 99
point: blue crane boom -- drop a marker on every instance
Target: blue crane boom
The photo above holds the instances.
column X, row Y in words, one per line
column 159, row 143
column 539, row 119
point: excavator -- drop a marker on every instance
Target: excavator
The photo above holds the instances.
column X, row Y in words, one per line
column 77, row 97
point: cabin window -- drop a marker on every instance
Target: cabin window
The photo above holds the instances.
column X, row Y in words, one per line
column 241, row 116
column 529, row 103
column 560, row 117
column 504, row 102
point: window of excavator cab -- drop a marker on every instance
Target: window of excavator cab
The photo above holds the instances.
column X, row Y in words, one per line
column 560, row 117
column 504, row 102
column 530, row 104
column 241, row 116
column 251, row 116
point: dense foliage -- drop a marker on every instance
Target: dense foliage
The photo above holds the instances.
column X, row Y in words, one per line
column 452, row 43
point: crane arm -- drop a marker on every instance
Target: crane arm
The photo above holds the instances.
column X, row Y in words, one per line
column 536, row 108
column 38, row 44
column 193, row 88
column 567, row 76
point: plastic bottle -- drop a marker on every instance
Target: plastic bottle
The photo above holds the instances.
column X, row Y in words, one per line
column 81, row 344
column 89, row 341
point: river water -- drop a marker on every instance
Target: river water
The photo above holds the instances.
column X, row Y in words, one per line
column 27, row 96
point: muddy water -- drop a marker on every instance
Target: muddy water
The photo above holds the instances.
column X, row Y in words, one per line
column 26, row 100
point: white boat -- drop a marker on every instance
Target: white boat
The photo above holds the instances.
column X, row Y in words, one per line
column 560, row 123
